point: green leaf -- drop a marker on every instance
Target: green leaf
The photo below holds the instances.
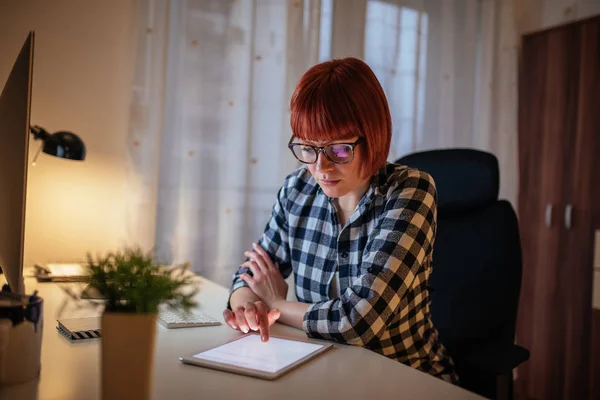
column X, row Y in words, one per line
column 131, row 281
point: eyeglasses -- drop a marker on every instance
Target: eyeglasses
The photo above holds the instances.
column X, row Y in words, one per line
column 338, row 153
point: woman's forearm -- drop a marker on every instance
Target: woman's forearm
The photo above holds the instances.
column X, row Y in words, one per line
column 241, row 296
column 292, row 312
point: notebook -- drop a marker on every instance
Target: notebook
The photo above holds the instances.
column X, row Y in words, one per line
column 79, row 328
column 60, row 272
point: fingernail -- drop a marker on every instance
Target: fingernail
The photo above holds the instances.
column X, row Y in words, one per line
column 263, row 338
column 245, row 330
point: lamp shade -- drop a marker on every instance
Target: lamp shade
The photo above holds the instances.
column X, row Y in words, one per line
column 64, row 144
column 60, row 144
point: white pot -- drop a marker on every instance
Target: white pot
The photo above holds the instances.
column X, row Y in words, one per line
column 20, row 346
column 127, row 355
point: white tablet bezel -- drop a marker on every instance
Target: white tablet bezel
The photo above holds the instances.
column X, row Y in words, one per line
column 254, row 372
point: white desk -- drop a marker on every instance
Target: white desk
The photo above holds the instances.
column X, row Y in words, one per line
column 72, row 370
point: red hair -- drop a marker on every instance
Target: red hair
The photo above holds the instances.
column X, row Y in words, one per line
column 339, row 99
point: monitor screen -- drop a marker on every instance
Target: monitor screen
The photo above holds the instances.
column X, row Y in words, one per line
column 15, row 106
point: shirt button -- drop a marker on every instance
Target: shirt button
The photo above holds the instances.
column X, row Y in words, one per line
column 344, row 255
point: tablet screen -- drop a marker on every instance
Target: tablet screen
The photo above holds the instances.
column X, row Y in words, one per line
column 250, row 352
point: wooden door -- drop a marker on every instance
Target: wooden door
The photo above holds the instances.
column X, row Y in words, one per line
column 579, row 215
column 585, row 198
column 547, row 121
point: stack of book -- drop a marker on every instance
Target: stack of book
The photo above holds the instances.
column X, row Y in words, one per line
column 60, row 272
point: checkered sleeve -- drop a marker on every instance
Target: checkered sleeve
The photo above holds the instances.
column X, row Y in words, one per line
column 274, row 239
column 394, row 255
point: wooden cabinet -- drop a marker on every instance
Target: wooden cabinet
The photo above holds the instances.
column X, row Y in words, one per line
column 559, row 208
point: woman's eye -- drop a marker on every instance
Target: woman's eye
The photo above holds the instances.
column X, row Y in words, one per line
column 340, row 151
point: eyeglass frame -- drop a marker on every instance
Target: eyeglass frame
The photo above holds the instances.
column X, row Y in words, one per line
column 318, row 150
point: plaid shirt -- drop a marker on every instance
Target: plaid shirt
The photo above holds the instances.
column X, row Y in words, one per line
column 382, row 254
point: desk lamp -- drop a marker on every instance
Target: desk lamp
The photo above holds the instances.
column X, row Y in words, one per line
column 60, row 144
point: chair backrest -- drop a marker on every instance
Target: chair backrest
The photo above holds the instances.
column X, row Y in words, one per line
column 476, row 279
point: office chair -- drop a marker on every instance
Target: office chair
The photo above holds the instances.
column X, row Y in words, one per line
column 476, row 278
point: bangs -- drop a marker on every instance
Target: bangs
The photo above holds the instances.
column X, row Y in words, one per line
column 338, row 100
column 324, row 114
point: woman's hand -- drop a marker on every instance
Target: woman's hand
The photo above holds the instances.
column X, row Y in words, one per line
column 253, row 315
column 267, row 281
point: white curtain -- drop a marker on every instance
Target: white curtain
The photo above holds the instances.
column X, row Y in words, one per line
column 449, row 69
column 210, row 123
column 210, row 109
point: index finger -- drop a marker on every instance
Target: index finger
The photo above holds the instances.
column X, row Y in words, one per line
column 263, row 321
column 267, row 259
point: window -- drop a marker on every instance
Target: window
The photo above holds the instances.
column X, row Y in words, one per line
column 325, row 30
column 396, row 50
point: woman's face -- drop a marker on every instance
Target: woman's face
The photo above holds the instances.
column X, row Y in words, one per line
column 338, row 180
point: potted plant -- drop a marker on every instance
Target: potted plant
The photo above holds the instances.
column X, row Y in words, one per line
column 133, row 287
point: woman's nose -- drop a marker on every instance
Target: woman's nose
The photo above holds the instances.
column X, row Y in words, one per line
column 323, row 163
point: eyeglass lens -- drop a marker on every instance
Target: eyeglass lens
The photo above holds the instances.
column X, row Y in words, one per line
column 338, row 153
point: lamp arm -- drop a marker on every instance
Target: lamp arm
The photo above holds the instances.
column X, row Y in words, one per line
column 39, row 132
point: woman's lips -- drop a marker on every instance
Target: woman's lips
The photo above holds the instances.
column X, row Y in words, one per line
column 329, row 183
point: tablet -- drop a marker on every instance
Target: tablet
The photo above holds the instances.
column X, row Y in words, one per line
column 247, row 355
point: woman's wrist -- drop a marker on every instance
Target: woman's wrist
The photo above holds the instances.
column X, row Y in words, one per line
column 241, row 296
column 278, row 303
column 291, row 312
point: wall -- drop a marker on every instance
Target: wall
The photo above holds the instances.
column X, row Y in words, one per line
column 83, row 64
column 84, row 60
column 534, row 15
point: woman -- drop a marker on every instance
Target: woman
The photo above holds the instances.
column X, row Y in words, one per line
column 356, row 231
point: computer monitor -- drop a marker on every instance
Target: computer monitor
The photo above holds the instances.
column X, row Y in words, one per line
column 15, row 108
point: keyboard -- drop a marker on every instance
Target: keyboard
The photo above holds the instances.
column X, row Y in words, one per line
column 179, row 319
